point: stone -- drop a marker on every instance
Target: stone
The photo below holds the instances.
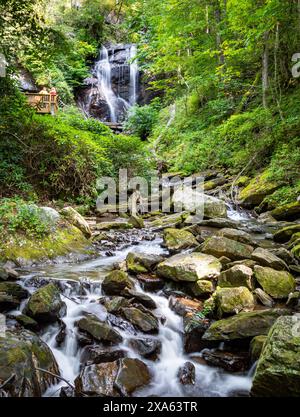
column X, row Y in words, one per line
column 222, row 246
column 98, row 380
column 144, row 321
column 289, row 211
column 202, row 288
column 243, row 325
column 171, row 220
column 45, row 305
column 229, row 361
column 115, row 282
column 136, row 221
column 99, row 330
column 141, row 298
column 257, row 190
column 139, row 263
column 277, row 284
column 283, row 254
column 49, row 214
column 284, row 235
column 264, row 298
column 195, row 201
column 247, row 262
column 96, row 355
column 11, row 294
column 117, row 225
column 233, row 300
column 256, row 347
column 221, row 223
column 132, row 374
column 179, row 239
column 21, row 352
column 189, row 267
column 194, row 328
column 73, row 217
column 183, row 306
column 27, row 322
column 293, row 299
column 150, row 282
column 278, row 372
column 267, row 258
column 113, row 305
column 235, row 234
column 187, row 374
column 236, row 276
column 147, row 348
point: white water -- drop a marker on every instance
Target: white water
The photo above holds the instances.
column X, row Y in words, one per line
column 133, row 88
column 209, row 381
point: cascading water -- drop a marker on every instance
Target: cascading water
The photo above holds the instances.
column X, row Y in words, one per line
column 113, row 87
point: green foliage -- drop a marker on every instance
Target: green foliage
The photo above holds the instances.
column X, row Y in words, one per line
column 141, row 119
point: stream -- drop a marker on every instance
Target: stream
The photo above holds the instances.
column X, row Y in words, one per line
column 81, row 288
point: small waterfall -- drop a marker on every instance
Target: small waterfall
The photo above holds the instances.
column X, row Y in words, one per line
column 113, row 87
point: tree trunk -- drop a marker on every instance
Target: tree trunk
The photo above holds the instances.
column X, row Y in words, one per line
column 265, row 69
column 218, row 17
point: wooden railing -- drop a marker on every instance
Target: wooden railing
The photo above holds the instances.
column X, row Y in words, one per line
column 43, row 103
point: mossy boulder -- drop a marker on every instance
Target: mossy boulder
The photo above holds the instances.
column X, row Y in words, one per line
column 196, row 201
column 45, row 305
column 11, row 294
column 139, row 263
column 202, row 288
column 115, row 282
column 189, row 267
column 171, row 220
column 243, row 325
column 136, row 221
column 222, row 246
column 27, row 322
column 237, row 276
column 256, row 346
column 179, row 239
column 278, row 371
column 285, row 234
column 77, row 220
column 21, row 353
column 257, row 190
column 99, row 330
column 278, row 284
column 142, row 320
column 117, row 225
column 233, row 300
column 289, row 211
column 132, row 374
column 235, row 234
column 267, row 258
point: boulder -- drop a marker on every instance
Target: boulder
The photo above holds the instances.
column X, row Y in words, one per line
column 45, row 305
column 222, row 246
column 243, row 325
column 187, row 374
column 196, row 201
column 221, row 223
column 189, row 267
column 283, row 254
column 7, row 273
column 99, row 330
column 179, row 239
column 183, row 306
column 113, row 305
column 256, row 347
column 98, row 380
column 264, row 298
column 132, row 374
column 140, row 298
column 202, row 288
column 136, row 221
column 21, row 352
column 257, row 190
column 11, row 294
column 233, row 300
column 235, row 234
column 278, row 372
column 96, row 354
column 27, row 322
column 117, row 225
column 289, row 211
column 73, row 217
column 278, row 284
column 194, row 328
column 236, row 276
column 148, row 348
column 139, row 263
column 171, row 220
column 115, row 282
column 267, row 258
column 150, row 282
column 142, row 320
column 284, row 235
column 229, row 361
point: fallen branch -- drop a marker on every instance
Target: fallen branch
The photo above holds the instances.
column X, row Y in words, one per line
column 56, row 376
column 10, row 379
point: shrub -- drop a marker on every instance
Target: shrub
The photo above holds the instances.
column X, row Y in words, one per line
column 141, row 119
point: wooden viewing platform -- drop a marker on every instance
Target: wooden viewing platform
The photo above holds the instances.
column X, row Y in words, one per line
column 43, row 103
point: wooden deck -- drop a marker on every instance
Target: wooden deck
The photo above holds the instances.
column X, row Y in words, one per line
column 43, row 103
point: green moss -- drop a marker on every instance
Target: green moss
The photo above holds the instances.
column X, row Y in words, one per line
column 258, row 189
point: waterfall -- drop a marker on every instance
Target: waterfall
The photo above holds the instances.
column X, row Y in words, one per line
column 113, row 87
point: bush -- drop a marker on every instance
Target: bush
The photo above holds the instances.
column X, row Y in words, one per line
column 141, row 119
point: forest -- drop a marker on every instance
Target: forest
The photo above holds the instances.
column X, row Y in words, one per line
column 132, row 298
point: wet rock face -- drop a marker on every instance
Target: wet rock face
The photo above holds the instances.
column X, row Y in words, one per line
column 96, row 355
column 99, row 330
column 182, row 306
column 278, row 373
column 115, row 282
column 187, row 374
column 229, row 361
column 20, row 354
column 11, row 294
column 148, row 348
column 45, row 305
column 194, row 329
column 142, row 320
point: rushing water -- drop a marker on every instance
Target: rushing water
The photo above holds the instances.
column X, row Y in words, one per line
column 81, row 283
